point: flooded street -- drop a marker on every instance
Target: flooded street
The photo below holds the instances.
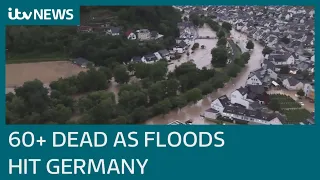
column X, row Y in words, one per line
column 201, row 57
column 194, row 111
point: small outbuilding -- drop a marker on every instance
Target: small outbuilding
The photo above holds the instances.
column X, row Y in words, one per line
column 84, row 63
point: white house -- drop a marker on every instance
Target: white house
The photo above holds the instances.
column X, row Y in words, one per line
column 220, row 103
column 281, row 59
column 253, row 80
column 239, row 96
column 292, row 84
column 239, row 26
column 144, row 34
column 308, row 88
column 165, row 54
column 150, row 58
column 130, row 35
column 312, row 58
column 114, row 31
column 287, row 17
column 178, row 49
column 157, row 54
column 253, row 116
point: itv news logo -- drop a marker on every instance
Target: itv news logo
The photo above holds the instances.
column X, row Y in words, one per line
column 40, row 14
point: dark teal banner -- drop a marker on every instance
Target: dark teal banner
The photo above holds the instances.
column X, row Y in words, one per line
column 247, row 152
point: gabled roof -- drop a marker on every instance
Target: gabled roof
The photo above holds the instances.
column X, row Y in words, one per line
column 292, row 81
column 224, row 100
column 115, row 30
column 242, row 90
column 164, row 52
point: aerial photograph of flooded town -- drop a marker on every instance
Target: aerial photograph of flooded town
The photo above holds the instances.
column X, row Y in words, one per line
column 188, row 65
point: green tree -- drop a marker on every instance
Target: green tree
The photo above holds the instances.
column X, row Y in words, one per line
column 266, row 50
column 233, row 70
column 300, row 92
column 219, row 56
column 59, row 114
column 245, row 57
column 195, row 46
column 103, row 112
column 227, row 26
column 162, row 107
column 178, row 101
column 250, row 45
column 239, row 61
column 285, row 40
column 34, row 95
column 156, row 92
column 121, row 74
column 142, row 70
column 206, row 88
column 140, row 114
column 158, row 70
column 193, row 95
column 221, row 34
column 171, row 87
column 106, row 71
column 222, row 42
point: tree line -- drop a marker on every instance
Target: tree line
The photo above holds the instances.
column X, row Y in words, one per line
column 156, row 93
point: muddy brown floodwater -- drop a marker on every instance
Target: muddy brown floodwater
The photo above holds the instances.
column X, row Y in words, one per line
column 202, row 58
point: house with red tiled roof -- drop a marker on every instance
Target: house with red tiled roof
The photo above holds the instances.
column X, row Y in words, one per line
column 130, row 35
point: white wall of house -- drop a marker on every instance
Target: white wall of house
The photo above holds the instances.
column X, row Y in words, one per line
column 275, row 121
column 115, row 34
column 132, row 36
column 237, row 98
column 312, row 58
column 158, row 55
column 289, row 61
column 143, row 59
column 307, row 88
column 144, row 35
column 216, row 105
column 178, row 50
column 297, row 87
column 167, row 57
column 239, row 27
column 253, row 81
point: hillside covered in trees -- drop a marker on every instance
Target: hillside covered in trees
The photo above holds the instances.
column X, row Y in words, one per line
column 24, row 43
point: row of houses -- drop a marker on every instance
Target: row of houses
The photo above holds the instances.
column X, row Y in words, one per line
column 241, row 107
column 140, row 34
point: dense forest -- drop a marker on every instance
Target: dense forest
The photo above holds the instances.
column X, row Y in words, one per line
column 24, row 43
